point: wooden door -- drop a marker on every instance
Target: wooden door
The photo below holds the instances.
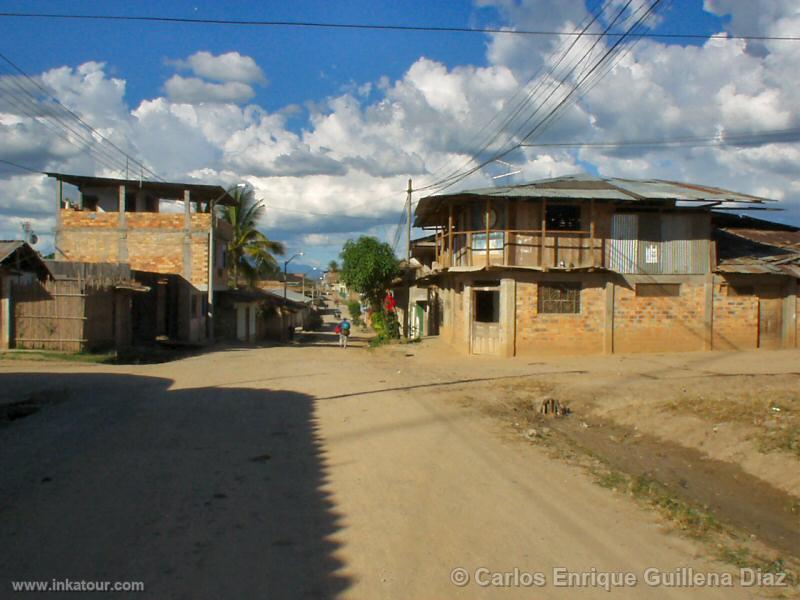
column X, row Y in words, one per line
column 486, row 321
column 770, row 309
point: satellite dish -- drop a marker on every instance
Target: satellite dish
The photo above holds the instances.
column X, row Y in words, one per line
column 34, row 238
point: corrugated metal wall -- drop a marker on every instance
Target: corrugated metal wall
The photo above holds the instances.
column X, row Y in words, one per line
column 623, row 249
column 661, row 244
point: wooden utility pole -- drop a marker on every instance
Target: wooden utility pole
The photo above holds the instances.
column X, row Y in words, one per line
column 408, row 225
column 408, row 272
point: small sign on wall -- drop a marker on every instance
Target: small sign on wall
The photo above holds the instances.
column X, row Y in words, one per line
column 651, row 254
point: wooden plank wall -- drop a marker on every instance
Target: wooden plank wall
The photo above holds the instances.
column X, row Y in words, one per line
column 53, row 315
column 49, row 315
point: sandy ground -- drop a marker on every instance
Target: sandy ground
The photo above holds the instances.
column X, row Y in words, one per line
column 306, row 471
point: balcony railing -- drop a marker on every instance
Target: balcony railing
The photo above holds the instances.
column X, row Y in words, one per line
column 519, row 247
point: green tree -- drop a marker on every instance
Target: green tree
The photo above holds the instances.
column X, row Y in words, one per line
column 368, row 267
column 252, row 254
column 333, row 266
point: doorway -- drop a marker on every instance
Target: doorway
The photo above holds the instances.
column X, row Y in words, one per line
column 486, row 321
column 770, row 321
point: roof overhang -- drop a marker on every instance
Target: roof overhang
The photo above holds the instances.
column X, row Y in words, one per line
column 162, row 189
column 16, row 255
column 584, row 188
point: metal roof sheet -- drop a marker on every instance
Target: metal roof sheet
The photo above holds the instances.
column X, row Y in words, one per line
column 17, row 254
column 779, row 239
column 7, row 248
column 586, row 187
column 164, row 189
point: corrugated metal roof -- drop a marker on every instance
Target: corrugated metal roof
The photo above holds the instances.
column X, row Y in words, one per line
column 290, row 295
column 586, row 187
column 741, row 251
column 780, row 239
column 16, row 254
column 7, row 247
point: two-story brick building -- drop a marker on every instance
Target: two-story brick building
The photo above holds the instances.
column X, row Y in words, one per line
column 164, row 231
column 584, row 264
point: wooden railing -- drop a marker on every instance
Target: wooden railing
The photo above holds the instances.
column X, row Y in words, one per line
column 518, row 247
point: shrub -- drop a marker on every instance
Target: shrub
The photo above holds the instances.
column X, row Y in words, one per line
column 386, row 325
column 354, row 307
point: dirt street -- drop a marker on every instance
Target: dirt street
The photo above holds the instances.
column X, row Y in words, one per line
column 305, row 471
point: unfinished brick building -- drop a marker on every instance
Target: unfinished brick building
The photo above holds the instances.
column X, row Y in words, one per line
column 164, row 231
column 582, row 264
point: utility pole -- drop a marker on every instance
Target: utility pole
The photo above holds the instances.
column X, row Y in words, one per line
column 407, row 274
column 408, row 224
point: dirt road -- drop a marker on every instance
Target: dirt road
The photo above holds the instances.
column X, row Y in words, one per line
column 305, row 471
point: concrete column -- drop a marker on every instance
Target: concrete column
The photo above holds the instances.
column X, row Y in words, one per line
column 57, row 232
column 467, row 329
column 508, row 317
column 608, row 328
column 122, row 252
column 187, row 236
column 790, row 315
column 5, row 312
column 708, row 313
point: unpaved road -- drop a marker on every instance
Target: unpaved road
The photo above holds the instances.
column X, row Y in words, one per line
column 303, row 472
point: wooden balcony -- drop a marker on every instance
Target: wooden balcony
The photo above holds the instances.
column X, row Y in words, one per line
column 530, row 248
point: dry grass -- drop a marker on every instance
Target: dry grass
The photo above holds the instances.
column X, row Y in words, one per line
column 775, row 414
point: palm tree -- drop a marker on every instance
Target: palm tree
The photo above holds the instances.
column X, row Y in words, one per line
column 252, row 253
column 333, row 266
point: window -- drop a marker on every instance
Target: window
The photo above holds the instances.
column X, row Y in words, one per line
column 561, row 298
column 90, row 202
column 652, row 290
column 130, row 202
column 487, row 306
column 563, row 218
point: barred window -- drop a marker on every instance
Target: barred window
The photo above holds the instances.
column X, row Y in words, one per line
column 563, row 298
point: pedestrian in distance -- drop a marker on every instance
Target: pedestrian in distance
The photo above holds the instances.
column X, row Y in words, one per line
column 343, row 329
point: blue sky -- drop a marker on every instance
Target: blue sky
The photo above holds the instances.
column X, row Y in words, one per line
column 335, row 121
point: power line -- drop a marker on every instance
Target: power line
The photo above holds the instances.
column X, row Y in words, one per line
column 450, row 181
column 764, row 137
column 633, row 30
column 380, row 26
column 90, row 131
column 23, row 167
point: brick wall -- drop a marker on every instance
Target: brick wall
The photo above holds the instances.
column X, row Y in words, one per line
column 85, row 245
column 659, row 324
column 735, row 320
column 156, row 251
column 549, row 333
column 155, row 241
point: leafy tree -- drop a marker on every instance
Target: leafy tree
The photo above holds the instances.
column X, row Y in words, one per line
column 368, row 267
column 252, row 254
column 333, row 266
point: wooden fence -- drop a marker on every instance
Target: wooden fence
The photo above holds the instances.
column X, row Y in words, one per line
column 64, row 314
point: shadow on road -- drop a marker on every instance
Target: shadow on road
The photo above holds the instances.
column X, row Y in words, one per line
column 199, row 493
